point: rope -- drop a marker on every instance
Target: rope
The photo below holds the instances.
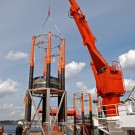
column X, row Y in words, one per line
column 55, row 25
column 51, row 19
column 130, row 93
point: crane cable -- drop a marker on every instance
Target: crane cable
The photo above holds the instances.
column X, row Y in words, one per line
column 51, row 19
column 130, row 94
column 47, row 16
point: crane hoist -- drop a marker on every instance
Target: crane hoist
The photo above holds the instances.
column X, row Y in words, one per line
column 109, row 79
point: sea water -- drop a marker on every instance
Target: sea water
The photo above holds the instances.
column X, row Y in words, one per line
column 10, row 128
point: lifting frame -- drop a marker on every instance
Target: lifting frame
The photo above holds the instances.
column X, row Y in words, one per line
column 50, row 92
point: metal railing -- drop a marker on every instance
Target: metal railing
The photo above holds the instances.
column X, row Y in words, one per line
column 127, row 108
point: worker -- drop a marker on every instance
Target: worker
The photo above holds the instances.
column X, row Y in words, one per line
column 25, row 129
column 19, row 128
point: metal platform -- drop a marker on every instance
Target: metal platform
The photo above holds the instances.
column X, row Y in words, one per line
column 43, row 90
column 48, row 92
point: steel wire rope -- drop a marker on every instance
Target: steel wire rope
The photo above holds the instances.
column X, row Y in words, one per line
column 128, row 98
column 45, row 35
column 51, row 19
column 45, row 42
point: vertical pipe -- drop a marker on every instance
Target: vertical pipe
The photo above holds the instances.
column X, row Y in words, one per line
column 48, row 112
column 99, row 114
column 59, row 61
column 63, row 64
column 45, row 61
column 59, row 77
column 28, row 106
column 90, row 113
column 99, row 108
column 63, row 78
column 47, row 77
column 66, row 127
column 74, row 107
column 62, row 115
column 82, row 108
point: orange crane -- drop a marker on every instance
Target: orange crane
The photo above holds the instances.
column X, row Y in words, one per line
column 109, row 79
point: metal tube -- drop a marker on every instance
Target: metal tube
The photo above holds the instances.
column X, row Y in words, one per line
column 45, row 61
column 66, row 127
column 100, row 114
column 28, row 106
column 74, row 107
column 59, row 61
column 47, row 77
column 37, row 114
column 82, row 108
column 62, row 116
column 36, row 109
column 90, row 113
column 62, row 98
column 48, row 111
column 59, row 77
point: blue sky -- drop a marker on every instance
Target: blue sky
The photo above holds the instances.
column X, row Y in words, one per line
column 112, row 22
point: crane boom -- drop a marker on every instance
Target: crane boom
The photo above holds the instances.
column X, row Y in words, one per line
column 87, row 36
column 109, row 79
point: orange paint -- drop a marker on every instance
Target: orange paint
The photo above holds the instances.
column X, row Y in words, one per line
column 45, row 62
column 49, row 48
column 74, row 104
column 63, row 54
column 59, row 60
column 32, row 52
column 90, row 102
column 109, row 79
column 82, row 103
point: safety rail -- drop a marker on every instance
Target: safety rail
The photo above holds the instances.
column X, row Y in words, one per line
column 105, row 109
column 127, row 108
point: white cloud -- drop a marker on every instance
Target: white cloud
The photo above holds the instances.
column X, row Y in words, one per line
column 83, row 88
column 73, row 69
column 129, row 84
column 127, row 60
column 16, row 55
column 13, row 113
column 8, row 87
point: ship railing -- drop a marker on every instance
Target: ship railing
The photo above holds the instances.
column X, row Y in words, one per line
column 107, row 110
column 112, row 110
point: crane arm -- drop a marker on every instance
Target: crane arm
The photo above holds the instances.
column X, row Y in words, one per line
column 109, row 79
column 87, row 36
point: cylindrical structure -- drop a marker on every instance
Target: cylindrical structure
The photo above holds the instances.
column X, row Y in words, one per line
column 82, row 110
column 63, row 65
column 48, row 74
column 99, row 107
column 100, row 113
column 59, row 77
column 74, row 107
column 90, row 113
column 28, row 106
column 61, row 117
column 45, row 62
column 59, row 61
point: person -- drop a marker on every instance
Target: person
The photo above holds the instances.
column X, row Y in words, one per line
column 26, row 129
column 1, row 129
column 19, row 128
